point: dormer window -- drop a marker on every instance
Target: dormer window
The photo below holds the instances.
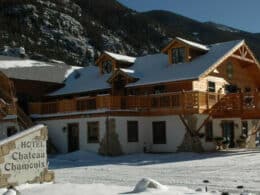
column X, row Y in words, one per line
column 107, row 66
column 178, row 55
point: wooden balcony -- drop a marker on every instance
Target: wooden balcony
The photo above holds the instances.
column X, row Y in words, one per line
column 171, row 103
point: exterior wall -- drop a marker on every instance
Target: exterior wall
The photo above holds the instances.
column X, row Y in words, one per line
column 241, row 75
column 237, row 127
column 218, row 129
column 58, row 133
column 202, row 85
column 143, row 134
column 175, row 131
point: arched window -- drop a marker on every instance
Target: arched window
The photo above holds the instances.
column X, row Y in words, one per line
column 107, row 66
column 230, row 70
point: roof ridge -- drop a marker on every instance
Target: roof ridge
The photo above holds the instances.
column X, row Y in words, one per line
column 237, row 40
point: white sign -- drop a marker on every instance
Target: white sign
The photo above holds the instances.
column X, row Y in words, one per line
column 24, row 157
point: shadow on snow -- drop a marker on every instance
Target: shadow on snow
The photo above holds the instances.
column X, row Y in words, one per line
column 82, row 158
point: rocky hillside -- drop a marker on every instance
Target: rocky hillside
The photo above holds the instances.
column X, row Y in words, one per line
column 76, row 31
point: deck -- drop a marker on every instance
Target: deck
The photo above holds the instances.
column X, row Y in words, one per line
column 243, row 105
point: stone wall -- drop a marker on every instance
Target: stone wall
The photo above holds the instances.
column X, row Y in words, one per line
column 23, row 158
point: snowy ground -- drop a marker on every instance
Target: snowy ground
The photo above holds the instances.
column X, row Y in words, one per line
column 224, row 170
column 82, row 173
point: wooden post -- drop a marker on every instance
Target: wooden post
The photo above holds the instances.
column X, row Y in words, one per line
column 241, row 102
column 207, row 100
column 183, row 101
column 256, row 99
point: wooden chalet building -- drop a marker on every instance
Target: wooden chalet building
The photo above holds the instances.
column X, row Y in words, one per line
column 158, row 103
column 24, row 80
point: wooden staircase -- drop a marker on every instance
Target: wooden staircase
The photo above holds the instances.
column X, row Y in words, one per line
column 23, row 119
column 8, row 103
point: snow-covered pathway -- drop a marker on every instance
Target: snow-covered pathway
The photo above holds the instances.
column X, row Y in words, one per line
column 224, row 170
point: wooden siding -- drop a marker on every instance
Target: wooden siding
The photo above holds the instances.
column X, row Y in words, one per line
column 245, row 75
column 35, row 89
column 242, row 76
column 169, row 87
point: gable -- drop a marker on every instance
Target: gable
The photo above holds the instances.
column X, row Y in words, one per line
column 241, row 55
column 191, row 49
column 117, row 61
column 119, row 73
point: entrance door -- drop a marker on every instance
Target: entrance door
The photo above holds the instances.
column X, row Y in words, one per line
column 73, row 137
column 228, row 132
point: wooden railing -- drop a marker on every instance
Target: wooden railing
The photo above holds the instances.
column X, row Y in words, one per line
column 181, row 102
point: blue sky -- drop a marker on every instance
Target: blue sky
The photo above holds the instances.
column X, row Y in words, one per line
column 241, row 14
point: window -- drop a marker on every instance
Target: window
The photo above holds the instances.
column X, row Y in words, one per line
column 159, row 132
column 11, row 131
column 211, row 86
column 178, row 55
column 132, row 131
column 209, row 131
column 107, row 66
column 230, row 70
column 248, row 89
column 231, row 89
column 244, row 128
column 159, row 89
column 93, row 132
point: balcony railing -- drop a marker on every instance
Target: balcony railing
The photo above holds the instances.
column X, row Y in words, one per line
column 179, row 103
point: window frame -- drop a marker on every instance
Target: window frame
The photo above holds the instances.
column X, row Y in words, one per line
column 89, row 139
column 177, row 55
column 107, row 66
column 211, row 89
column 135, row 138
column 230, row 70
column 163, row 139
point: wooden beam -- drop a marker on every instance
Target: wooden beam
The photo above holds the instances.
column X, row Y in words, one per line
column 242, row 58
column 186, row 125
column 203, row 124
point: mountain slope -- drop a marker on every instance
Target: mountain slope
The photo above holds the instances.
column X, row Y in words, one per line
column 76, row 31
column 209, row 32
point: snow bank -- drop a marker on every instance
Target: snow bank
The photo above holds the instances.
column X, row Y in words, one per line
column 146, row 183
column 98, row 189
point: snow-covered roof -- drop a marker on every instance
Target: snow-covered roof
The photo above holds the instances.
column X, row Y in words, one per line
column 121, row 58
column 152, row 69
column 26, row 69
column 83, row 80
column 193, row 44
column 126, row 70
